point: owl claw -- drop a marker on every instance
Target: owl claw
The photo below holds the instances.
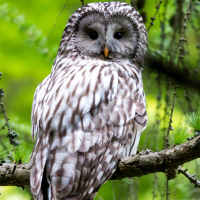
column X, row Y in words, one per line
column 143, row 152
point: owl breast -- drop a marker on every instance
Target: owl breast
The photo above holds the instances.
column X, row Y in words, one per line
column 90, row 97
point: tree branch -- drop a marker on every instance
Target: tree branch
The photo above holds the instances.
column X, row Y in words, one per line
column 192, row 178
column 14, row 174
column 138, row 165
column 141, row 165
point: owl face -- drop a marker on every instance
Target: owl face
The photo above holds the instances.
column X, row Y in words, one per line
column 113, row 38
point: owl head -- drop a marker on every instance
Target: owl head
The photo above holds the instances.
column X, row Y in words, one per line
column 109, row 31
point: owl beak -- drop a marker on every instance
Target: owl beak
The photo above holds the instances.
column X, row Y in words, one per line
column 105, row 51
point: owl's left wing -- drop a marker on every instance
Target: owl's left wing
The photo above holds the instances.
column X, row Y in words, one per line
column 63, row 112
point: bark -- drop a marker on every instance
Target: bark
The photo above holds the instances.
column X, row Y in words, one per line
column 143, row 164
column 138, row 165
column 14, row 174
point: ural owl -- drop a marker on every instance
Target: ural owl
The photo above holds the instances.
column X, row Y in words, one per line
column 90, row 111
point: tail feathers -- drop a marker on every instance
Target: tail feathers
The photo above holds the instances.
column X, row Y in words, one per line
column 38, row 167
column 35, row 180
column 73, row 176
column 45, row 186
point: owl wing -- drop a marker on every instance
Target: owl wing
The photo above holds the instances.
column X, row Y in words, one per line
column 40, row 150
column 82, row 117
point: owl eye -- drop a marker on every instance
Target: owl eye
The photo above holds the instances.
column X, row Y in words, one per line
column 93, row 35
column 118, row 35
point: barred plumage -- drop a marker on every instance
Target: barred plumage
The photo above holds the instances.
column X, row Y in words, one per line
column 90, row 111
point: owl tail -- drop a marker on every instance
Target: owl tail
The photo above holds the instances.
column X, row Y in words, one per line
column 79, row 175
column 38, row 158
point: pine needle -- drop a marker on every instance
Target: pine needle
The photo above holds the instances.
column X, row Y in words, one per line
column 193, row 120
column 21, row 154
column 180, row 136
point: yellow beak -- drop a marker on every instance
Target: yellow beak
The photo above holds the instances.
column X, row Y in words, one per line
column 105, row 51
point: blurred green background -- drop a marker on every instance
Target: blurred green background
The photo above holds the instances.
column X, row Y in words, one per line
column 30, row 33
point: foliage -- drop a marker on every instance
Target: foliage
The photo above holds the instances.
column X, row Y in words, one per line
column 180, row 136
column 30, row 31
column 3, row 155
column 11, row 134
column 22, row 155
column 193, row 120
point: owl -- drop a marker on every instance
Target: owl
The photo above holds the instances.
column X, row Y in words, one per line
column 90, row 111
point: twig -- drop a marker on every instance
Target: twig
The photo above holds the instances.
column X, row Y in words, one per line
column 196, row 28
column 82, row 1
column 157, row 114
column 56, row 20
column 182, row 38
column 3, row 110
column 155, row 185
column 154, row 17
column 192, row 178
column 167, row 189
column 170, row 119
column 162, row 25
column 11, row 133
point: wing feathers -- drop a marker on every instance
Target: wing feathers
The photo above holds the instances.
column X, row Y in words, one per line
column 85, row 124
column 39, row 161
